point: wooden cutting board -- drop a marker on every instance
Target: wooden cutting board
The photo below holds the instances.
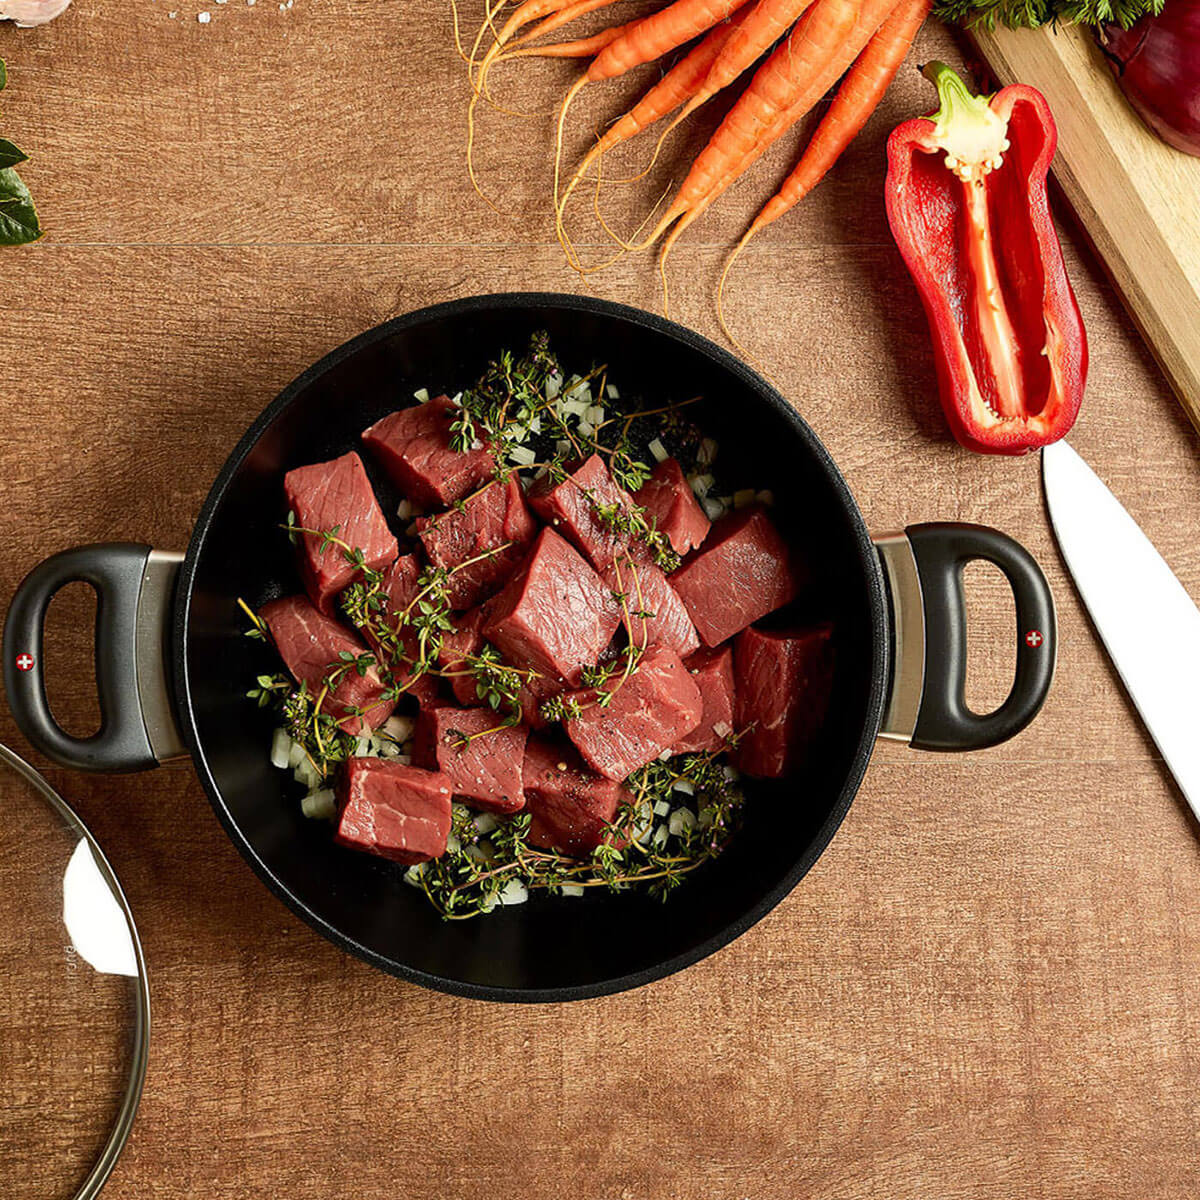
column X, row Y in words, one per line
column 1138, row 199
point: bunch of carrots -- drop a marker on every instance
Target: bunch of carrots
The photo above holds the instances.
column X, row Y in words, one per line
column 802, row 48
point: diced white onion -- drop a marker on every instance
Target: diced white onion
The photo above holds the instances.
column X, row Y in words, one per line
column 577, row 407
column 658, row 450
column 611, row 392
column 319, row 804
column 766, row 498
column 742, row 497
column 389, row 750
column 514, row 892
column 456, row 399
column 595, row 414
column 362, row 747
column 665, row 754
column 722, row 729
column 685, row 786
column 296, row 755
column 307, row 774
column 707, row 453
column 561, row 446
column 453, row 845
column 662, row 807
column 680, row 820
column 406, row 510
column 523, row 455
column 660, row 836
column 586, row 429
column 700, row 485
column 411, row 530
column 569, row 889
column 535, row 424
column 729, row 773
column 281, row 749
column 553, row 385
column 398, row 728
column 413, row 875
column 713, row 508
column 421, row 395
column 476, row 854
column 486, row 822
column 404, row 760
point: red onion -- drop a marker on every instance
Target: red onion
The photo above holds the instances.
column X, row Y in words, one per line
column 1157, row 64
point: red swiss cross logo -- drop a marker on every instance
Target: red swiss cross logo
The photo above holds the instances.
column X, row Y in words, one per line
column 1034, row 638
column 24, row 662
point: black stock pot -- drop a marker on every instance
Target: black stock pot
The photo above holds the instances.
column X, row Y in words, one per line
column 173, row 665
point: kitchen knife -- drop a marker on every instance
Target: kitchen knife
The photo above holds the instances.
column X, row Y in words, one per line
column 1149, row 625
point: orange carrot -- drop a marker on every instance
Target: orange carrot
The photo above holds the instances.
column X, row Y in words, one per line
column 566, row 14
column 580, row 48
column 786, row 74
column 663, row 98
column 647, row 40
column 860, row 92
column 857, row 98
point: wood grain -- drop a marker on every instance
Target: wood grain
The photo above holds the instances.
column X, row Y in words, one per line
column 1138, row 198
column 987, row 985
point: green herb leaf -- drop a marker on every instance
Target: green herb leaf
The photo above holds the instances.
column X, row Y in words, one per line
column 3, row 75
column 10, row 156
column 18, row 218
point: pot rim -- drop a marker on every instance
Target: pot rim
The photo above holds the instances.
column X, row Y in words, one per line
column 721, row 359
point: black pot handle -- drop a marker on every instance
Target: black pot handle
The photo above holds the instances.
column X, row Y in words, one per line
column 133, row 586
column 942, row 721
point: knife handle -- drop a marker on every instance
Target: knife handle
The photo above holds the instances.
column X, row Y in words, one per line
column 944, row 722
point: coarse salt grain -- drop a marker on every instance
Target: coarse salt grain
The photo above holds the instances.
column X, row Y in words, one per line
column 204, row 17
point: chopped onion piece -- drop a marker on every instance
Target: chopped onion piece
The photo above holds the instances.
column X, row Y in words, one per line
column 398, row 728
column 413, row 875
column 660, row 836
column 485, row 822
column 281, row 749
column 421, row 395
column 686, row 786
column 742, row 497
column 722, row 729
column 296, row 755
column 514, row 892
column 523, row 455
column 595, row 414
column 307, row 774
column 411, row 530
column 766, row 498
column 611, row 392
column 406, row 510
column 362, row 747
column 453, row 845
column 585, row 429
column 554, row 384
column 404, row 760
column 658, row 450
column 681, row 820
column 319, row 805
column 569, row 889
column 662, row 807
column 713, row 509
column 561, row 446
column 706, row 453
column 535, row 424
column 476, row 854
column 456, row 399
column 700, row 485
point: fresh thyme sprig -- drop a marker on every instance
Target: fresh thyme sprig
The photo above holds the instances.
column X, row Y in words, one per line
column 680, row 815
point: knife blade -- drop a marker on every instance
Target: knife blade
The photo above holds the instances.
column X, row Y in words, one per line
column 1148, row 623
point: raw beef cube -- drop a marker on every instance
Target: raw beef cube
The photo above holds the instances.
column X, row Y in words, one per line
column 484, row 522
column 650, row 710
column 311, row 645
column 395, row 811
column 570, row 806
column 742, row 573
column 485, row 772
column 533, row 694
column 570, row 507
column 400, row 585
column 647, row 590
column 784, row 682
column 668, row 499
column 556, row 615
column 336, row 494
column 466, row 638
column 413, row 445
column 713, row 672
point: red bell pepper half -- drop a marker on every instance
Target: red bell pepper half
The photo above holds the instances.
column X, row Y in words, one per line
column 966, row 200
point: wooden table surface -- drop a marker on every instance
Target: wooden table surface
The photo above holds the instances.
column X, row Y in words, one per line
column 987, row 985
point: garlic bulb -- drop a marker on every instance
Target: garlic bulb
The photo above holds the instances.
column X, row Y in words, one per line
column 27, row 13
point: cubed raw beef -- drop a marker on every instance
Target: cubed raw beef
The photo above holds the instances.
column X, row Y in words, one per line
column 413, row 446
column 784, row 681
column 533, row 694
column 395, row 811
column 650, row 710
column 647, row 590
column 336, row 494
column 400, row 584
column 668, row 498
column 494, row 517
column 570, row 507
column 466, row 638
column 571, row 807
column 743, row 572
column 713, row 672
column 311, row 645
column 484, row 771
column 556, row 615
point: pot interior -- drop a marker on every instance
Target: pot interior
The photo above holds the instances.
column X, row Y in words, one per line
column 549, row 948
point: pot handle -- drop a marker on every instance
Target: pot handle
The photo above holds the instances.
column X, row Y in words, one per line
column 928, row 705
column 134, row 588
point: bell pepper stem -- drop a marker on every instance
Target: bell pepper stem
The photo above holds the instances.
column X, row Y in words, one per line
column 966, row 127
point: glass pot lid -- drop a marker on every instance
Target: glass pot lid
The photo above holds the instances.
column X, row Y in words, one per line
column 74, row 1003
